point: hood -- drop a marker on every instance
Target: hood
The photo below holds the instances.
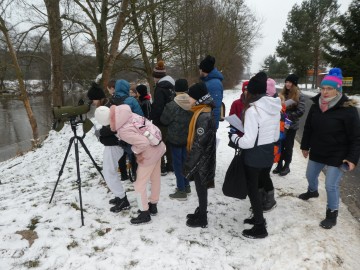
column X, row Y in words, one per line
column 183, row 101
column 214, row 74
column 167, row 78
column 269, row 105
column 122, row 88
column 119, row 115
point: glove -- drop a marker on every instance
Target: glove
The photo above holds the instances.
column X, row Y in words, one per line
column 233, row 130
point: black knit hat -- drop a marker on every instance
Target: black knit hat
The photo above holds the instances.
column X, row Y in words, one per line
column 95, row 92
column 159, row 70
column 142, row 90
column 181, row 85
column 257, row 84
column 293, row 79
column 199, row 92
column 207, row 65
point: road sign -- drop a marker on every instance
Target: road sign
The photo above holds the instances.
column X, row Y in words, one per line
column 347, row 81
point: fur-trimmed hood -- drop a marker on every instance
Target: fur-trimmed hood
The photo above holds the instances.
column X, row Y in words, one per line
column 345, row 101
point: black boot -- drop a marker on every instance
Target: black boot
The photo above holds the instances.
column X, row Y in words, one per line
column 120, row 204
column 195, row 215
column 330, row 220
column 269, row 203
column 153, row 209
column 257, row 231
column 200, row 220
column 278, row 168
column 142, row 218
column 251, row 221
column 163, row 170
column 285, row 170
column 309, row 194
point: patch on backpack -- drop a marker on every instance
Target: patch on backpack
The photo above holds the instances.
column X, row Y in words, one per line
column 200, row 131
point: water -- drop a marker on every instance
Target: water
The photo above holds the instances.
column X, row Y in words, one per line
column 15, row 132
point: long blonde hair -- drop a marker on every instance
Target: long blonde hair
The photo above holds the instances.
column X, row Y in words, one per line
column 294, row 93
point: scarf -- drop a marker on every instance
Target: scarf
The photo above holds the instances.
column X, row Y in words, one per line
column 196, row 110
column 327, row 103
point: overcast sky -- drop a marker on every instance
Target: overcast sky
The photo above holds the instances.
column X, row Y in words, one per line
column 274, row 15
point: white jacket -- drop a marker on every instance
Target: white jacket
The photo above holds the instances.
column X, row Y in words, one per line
column 263, row 117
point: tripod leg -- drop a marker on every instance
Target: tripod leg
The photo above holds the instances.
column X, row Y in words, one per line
column 99, row 169
column 79, row 179
column 62, row 167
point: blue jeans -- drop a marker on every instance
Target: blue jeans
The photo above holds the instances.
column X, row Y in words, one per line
column 332, row 182
column 178, row 158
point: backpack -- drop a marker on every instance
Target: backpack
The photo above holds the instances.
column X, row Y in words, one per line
column 147, row 128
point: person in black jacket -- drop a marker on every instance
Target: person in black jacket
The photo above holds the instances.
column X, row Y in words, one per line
column 200, row 164
column 112, row 153
column 295, row 108
column 144, row 100
column 163, row 94
column 331, row 138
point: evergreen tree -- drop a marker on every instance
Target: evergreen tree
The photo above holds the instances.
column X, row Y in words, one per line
column 346, row 53
column 274, row 68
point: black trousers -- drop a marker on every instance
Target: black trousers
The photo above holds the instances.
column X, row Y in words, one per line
column 287, row 147
column 265, row 181
column 252, row 181
column 202, row 193
column 168, row 154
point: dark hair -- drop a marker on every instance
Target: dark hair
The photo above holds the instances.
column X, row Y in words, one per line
column 111, row 83
column 250, row 98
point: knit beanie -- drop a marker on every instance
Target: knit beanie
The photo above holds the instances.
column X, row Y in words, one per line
column 198, row 91
column 270, row 87
column 102, row 115
column 293, row 79
column 207, row 65
column 95, row 92
column 333, row 79
column 159, row 70
column 244, row 86
column 181, row 85
column 257, row 84
column 142, row 90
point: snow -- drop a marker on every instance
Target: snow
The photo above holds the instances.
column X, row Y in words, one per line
column 108, row 241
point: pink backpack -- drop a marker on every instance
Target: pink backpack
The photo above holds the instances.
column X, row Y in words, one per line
column 147, row 128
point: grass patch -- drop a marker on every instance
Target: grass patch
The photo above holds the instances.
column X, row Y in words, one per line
column 73, row 244
column 101, row 221
column 29, row 235
column 98, row 249
column 32, row 264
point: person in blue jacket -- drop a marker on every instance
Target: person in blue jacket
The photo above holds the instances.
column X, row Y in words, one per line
column 122, row 89
column 213, row 80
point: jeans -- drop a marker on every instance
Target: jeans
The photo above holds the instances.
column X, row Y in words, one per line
column 332, row 182
column 178, row 159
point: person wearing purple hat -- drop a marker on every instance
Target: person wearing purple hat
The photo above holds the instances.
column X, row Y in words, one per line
column 331, row 139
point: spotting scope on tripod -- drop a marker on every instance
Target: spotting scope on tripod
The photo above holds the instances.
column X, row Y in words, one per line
column 74, row 116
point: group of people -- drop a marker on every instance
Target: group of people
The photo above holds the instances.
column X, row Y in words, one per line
column 188, row 118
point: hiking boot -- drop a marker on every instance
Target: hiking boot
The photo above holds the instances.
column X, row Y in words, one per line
column 277, row 169
column 257, row 231
column 330, row 220
column 251, row 221
column 142, row 218
column 120, row 205
column 269, row 203
column 179, row 195
column 200, row 220
column 153, row 209
column 309, row 194
column 284, row 171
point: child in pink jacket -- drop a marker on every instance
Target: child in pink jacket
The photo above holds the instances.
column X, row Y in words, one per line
column 148, row 158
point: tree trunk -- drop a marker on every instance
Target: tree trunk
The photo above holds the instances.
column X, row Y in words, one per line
column 23, row 94
column 55, row 25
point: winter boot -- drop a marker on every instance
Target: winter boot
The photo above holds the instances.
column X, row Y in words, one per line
column 200, row 220
column 179, row 195
column 192, row 216
column 257, row 231
column 269, row 203
column 251, row 221
column 115, row 200
column 278, row 168
column 153, row 209
column 330, row 220
column 120, row 205
column 142, row 218
column 285, row 170
column 309, row 194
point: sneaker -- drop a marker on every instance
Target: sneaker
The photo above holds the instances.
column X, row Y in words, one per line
column 142, row 218
column 179, row 195
column 258, row 231
column 284, row 171
column 309, row 194
column 121, row 205
column 115, row 200
column 199, row 221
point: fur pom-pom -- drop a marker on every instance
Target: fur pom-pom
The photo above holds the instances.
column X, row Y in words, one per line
column 160, row 65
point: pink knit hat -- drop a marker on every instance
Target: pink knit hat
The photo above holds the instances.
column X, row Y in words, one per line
column 270, row 87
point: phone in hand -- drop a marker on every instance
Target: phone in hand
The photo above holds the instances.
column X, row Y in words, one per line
column 344, row 167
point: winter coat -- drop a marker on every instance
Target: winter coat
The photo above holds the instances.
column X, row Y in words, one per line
column 145, row 105
column 262, row 125
column 163, row 93
column 214, row 85
column 237, row 108
column 122, row 89
column 201, row 160
column 333, row 135
column 295, row 111
column 120, row 121
column 176, row 116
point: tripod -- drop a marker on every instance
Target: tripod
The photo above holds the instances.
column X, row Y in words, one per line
column 75, row 139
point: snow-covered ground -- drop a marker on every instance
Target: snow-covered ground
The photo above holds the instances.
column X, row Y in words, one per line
column 108, row 241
